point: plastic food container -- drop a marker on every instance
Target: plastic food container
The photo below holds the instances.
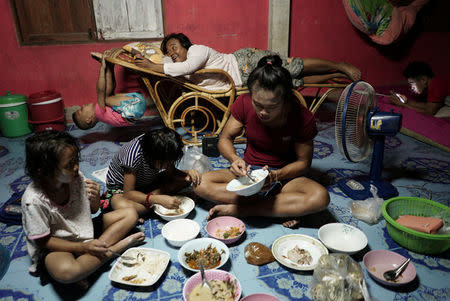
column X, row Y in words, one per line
column 14, row 115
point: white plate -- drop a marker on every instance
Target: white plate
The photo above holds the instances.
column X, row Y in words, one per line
column 147, row 271
column 187, row 204
column 282, row 245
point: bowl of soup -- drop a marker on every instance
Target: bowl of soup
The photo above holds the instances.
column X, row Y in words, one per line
column 211, row 252
column 225, row 286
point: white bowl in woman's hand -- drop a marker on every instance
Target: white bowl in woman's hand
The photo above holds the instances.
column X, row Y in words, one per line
column 244, row 186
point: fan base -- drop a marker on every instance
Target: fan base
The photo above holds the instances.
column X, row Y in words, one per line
column 359, row 189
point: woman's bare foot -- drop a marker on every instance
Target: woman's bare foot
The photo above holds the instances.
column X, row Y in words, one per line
column 97, row 56
column 220, row 210
column 128, row 242
column 293, row 223
column 351, row 71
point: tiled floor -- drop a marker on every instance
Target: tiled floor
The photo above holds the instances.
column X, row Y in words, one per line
column 429, row 176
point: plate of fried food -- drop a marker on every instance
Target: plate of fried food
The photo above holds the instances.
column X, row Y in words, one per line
column 297, row 251
column 146, row 268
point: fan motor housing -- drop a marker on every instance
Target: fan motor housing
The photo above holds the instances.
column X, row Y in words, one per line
column 384, row 123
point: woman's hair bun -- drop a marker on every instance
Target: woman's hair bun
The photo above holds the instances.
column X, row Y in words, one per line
column 273, row 60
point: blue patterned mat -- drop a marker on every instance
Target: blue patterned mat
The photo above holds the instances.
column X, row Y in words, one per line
column 416, row 169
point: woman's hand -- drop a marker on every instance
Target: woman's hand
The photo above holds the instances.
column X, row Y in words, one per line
column 239, row 168
column 271, row 178
column 167, row 201
column 142, row 62
column 194, row 176
column 92, row 191
column 95, row 247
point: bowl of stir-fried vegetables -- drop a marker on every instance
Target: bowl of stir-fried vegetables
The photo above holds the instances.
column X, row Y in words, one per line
column 227, row 229
column 212, row 253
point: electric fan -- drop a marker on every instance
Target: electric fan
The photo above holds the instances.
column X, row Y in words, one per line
column 360, row 127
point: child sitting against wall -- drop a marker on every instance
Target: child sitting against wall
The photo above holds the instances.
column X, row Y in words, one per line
column 122, row 109
column 62, row 238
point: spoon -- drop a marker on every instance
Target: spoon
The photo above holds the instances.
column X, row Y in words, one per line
column 252, row 178
column 364, row 290
column 391, row 275
column 202, row 273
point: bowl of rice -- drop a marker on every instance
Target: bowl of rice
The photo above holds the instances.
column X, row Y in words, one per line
column 245, row 186
column 180, row 231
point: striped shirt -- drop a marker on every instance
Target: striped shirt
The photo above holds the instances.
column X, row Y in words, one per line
column 130, row 157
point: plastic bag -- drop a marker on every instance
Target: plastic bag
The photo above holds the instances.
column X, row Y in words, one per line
column 368, row 210
column 445, row 216
column 258, row 254
column 194, row 159
column 337, row 277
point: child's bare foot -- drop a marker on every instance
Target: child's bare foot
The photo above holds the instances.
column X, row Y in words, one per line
column 220, row 210
column 351, row 71
column 128, row 242
column 97, row 56
column 291, row 223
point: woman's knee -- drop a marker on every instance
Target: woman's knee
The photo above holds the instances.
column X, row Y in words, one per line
column 321, row 196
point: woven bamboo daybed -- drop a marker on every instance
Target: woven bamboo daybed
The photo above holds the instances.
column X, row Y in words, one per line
column 195, row 109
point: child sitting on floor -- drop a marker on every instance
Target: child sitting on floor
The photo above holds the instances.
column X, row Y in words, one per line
column 143, row 172
column 115, row 109
column 57, row 208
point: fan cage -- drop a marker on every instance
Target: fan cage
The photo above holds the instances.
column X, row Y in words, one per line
column 352, row 110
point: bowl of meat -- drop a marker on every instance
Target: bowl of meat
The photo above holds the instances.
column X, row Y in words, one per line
column 212, row 253
column 227, row 229
column 297, row 251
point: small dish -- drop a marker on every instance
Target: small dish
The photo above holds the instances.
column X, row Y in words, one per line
column 187, row 204
column 260, row 297
column 227, row 229
column 196, row 279
column 343, row 238
column 201, row 244
column 245, row 187
column 150, row 265
column 379, row 261
column 179, row 231
column 285, row 243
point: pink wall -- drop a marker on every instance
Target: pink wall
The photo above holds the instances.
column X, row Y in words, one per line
column 70, row 70
column 319, row 28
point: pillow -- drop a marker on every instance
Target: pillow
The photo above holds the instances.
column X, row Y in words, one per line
column 383, row 21
column 150, row 51
column 443, row 112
